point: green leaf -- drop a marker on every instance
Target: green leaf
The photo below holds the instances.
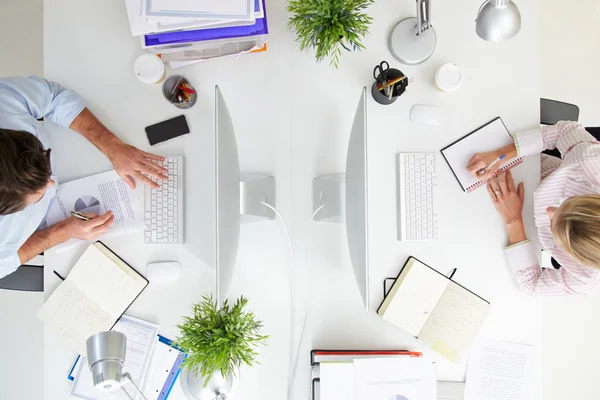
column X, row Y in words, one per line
column 329, row 25
column 219, row 339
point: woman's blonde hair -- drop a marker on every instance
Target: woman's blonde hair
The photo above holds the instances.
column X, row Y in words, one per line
column 576, row 228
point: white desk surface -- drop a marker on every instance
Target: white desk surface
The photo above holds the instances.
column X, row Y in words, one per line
column 292, row 118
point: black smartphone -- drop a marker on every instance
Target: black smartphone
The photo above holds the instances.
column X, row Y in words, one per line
column 167, row 130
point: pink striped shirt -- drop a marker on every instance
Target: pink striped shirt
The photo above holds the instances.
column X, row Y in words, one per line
column 577, row 173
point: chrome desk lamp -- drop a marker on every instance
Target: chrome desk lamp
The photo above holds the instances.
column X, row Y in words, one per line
column 413, row 40
column 106, row 356
column 498, row 20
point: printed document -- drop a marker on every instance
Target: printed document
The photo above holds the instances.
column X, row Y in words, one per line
column 499, row 370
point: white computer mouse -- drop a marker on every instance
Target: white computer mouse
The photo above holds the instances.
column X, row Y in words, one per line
column 166, row 271
column 428, row 115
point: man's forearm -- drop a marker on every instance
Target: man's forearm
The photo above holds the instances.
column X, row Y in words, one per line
column 40, row 241
column 92, row 129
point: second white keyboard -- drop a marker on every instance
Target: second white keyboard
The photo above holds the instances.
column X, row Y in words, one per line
column 417, row 187
column 163, row 211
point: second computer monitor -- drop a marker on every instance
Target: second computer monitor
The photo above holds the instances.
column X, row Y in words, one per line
column 344, row 199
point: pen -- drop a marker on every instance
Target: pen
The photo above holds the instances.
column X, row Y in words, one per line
column 382, row 86
column 57, row 274
column 82, row 217
column 496, row 161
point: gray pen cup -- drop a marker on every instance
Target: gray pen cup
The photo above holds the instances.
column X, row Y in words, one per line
column 380, row 97
column 169, row 90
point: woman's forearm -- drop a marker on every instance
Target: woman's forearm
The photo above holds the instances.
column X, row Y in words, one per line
column 516, row 232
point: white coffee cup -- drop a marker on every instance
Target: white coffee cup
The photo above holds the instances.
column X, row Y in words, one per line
column 449, row 77
column 149, row 68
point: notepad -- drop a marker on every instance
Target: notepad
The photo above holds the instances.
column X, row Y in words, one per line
column 98, row 290
column 438, row 311
column 489, row 137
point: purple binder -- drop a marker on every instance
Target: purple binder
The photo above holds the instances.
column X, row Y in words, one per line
column 260, row 27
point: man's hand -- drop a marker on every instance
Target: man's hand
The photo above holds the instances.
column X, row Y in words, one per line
column 131, row 162
column 86, row 230
column 509, row 204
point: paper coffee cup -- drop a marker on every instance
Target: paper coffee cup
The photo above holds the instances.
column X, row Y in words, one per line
column 449, row 77
column 149, row 69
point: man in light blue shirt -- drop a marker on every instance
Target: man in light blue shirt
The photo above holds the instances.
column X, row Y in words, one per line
column 26, row 182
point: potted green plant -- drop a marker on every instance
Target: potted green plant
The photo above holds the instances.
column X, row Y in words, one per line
column 217, row 340
column 329, row 26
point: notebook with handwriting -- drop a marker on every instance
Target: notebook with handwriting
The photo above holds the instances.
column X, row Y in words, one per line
column 438, row 311
column 490, row 136
column 98, row 290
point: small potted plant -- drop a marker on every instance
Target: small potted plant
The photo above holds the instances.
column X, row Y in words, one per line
column 329, row 26
column 217, row 340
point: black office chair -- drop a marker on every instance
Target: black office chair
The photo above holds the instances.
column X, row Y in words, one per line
column 552, row 111
column 27, row 278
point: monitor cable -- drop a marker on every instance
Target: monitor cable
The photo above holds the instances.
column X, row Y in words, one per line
column 294, row 356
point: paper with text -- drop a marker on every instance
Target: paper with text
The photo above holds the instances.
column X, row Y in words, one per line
column 455, row 322
column 406, row 378
column 97, row 194
column 94, row 295
column 499, row 370
column 414, row 296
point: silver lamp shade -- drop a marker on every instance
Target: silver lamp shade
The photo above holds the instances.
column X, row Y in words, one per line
column 498, row 20
column 106, row 353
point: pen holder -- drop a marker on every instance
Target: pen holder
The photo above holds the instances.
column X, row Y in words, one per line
column 398, row 88
column 171, row 93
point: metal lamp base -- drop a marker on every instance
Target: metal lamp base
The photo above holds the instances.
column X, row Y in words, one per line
column 217, row 387
column 408, row 47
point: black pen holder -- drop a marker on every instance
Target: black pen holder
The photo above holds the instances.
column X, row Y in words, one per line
column 397, row 88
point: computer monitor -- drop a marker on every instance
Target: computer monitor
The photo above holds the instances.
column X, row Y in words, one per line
column 344, row 199
column 238, row 197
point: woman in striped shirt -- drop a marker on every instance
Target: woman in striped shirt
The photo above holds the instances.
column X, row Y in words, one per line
column 566, row 209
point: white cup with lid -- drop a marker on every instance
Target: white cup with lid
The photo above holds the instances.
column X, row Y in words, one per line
column 449, row 77
column 149, row 69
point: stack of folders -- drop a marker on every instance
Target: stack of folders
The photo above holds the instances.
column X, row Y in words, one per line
column 367, row 375
column 150, row 359
column 185, row 31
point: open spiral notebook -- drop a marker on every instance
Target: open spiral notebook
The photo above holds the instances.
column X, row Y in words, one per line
column 490, row 136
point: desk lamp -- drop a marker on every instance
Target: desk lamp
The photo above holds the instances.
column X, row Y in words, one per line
column 106, row 356
column 413, row 40
column 498, row 20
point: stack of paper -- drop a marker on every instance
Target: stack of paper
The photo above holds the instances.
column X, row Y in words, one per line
column 183, row 31
column 398, row 378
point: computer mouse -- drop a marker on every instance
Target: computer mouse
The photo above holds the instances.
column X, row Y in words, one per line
column 428, row 115
column 167, row 271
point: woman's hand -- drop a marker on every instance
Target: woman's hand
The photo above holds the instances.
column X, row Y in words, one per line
column 508, row 201
column 480, row 161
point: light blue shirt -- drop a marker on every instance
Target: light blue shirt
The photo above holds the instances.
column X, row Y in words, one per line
column 22, row 102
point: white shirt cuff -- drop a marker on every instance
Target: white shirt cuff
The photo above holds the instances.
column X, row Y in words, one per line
column 521, row 255
column 529, row 142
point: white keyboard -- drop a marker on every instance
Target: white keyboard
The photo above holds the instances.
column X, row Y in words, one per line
column 417, row 211
column 163, row 211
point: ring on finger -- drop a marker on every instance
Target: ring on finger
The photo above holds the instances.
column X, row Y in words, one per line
column 497, row 192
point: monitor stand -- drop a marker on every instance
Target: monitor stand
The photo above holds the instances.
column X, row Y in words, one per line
column 254, row 190
column 330, row 191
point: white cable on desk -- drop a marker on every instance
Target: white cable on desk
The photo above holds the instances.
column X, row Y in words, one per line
column 294, row 357
column 309, row 285
column 292, row 277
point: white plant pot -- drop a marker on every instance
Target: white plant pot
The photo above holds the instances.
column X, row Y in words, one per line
column 194, row 388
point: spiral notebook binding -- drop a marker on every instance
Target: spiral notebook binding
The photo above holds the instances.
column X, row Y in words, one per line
column 505, row 168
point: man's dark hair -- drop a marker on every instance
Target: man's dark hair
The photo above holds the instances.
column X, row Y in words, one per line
column 24, row 168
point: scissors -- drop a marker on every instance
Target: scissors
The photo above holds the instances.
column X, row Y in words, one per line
column 380, row 72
